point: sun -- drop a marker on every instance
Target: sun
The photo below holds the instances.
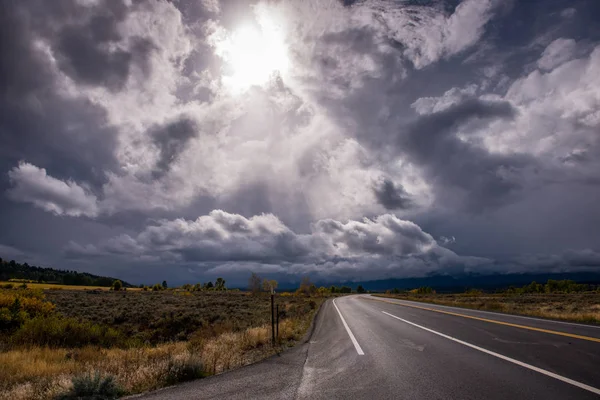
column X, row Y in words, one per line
column 253, row 54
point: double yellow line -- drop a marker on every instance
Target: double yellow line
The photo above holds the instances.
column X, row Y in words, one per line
column 493, row 321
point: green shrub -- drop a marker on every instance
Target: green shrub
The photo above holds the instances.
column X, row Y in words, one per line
column 18, row 306
column 6, row 318
column 187, row 287
column 424, row 290
column 117, row 285
column 93, row 387
column 56, row 331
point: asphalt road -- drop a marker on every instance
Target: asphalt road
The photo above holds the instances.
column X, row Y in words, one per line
column 393, row 350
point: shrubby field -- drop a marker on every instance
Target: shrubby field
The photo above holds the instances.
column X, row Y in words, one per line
column 563, row 300
column 155, row 317
column 65, row 343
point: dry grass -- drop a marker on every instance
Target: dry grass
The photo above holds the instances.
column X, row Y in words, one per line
column 235, row 349
column 52, row 286
column 40, row 373
column 228, row 331
column 573, row 307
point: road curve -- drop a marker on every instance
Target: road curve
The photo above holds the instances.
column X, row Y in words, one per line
column 365, row 347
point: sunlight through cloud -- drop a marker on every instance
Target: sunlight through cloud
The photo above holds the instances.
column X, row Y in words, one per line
column 253, row 54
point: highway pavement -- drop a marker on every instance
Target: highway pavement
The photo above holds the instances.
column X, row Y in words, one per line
column 366, row 347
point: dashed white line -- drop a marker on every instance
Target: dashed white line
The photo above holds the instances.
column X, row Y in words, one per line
column 356, row 345
column 512, row 360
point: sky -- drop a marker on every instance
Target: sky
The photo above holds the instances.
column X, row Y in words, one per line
column 343, row 140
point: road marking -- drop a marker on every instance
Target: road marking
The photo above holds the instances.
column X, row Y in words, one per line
column 504, row 314
column 356, row 345
column 512, row 360
column 531, row 328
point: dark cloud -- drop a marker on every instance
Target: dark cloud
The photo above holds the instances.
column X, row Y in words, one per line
column 22, row 69
column 171, row 140
column 85, row 53
column 392, row 196
column 348, row 3
column 576, row 157
column 86, row 62
column 335, row 58
column 581, row 260
column 445, row 121
column 69, row 137
column 484, row 179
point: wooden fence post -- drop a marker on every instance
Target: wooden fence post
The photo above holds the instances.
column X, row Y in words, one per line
column 272, row 319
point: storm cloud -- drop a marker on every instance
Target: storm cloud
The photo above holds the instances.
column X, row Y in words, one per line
column 432, row 142
column 221, row 237
column 391, row 196
column 344, row 140
column 171, row 140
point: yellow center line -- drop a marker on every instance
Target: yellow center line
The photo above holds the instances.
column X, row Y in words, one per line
column 531, row 328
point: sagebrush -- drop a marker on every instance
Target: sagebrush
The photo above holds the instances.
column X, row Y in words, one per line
column 73, row 342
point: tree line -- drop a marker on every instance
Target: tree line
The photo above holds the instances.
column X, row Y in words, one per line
column 257, row 284
column 219, row 285
column 12, row 270
column 551, row 286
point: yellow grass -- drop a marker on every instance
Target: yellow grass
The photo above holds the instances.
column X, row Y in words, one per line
column 43, row 373
column 39, row 373
column 582, row 308
column 50, row 286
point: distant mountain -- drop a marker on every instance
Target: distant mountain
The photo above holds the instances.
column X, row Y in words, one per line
column 444, row 283
column 13, row 270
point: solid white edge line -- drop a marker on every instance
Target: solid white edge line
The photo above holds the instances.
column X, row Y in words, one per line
column 512, row 360
column 356, row 345
column 459, row 309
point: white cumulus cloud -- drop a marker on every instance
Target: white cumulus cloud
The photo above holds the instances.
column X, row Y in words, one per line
column 31, row 184
column 381, row 246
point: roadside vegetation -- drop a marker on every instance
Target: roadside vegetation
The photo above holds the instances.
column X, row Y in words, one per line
column 67, row 344
column 556, row 299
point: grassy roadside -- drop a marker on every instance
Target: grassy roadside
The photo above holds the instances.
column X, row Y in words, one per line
column 571, row 307
column 42, row 372
column 146, row 340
